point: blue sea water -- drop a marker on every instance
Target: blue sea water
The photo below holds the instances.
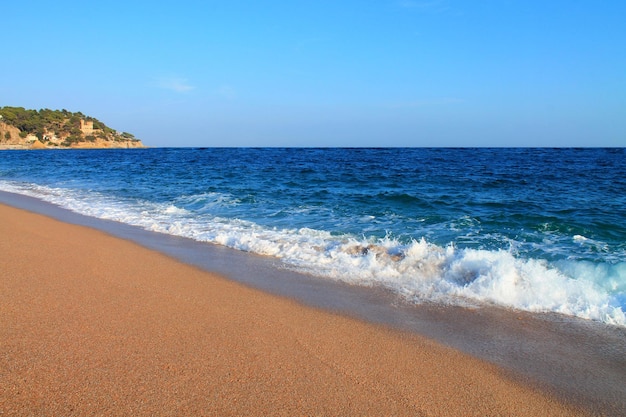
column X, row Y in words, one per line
column 541, row 230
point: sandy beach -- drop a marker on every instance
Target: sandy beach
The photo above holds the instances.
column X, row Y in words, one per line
column 95, row 325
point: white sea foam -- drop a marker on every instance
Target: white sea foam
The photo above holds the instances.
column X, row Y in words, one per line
column 419, row 271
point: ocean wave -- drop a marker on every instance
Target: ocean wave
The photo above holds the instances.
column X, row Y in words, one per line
column 419, row 271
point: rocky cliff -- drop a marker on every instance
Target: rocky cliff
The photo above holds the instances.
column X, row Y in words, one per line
column 58, row 129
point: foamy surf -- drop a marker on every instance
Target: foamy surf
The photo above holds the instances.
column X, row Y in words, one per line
column 420, row 271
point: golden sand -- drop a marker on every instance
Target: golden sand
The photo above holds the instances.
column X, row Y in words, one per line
column 95, row 325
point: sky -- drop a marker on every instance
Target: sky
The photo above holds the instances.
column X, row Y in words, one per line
column 326, row 72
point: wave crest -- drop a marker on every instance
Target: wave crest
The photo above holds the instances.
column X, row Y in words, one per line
column 420, row 271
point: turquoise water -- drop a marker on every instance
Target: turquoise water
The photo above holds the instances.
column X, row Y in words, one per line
column 531, row 229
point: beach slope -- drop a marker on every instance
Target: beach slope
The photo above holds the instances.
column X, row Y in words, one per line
column 95, row 325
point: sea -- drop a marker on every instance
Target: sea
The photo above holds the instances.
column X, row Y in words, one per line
column 529, row 229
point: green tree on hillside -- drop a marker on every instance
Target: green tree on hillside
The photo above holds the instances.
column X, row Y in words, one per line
column 60, row 122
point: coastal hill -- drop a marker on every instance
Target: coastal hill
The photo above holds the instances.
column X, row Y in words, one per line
column 58, row 129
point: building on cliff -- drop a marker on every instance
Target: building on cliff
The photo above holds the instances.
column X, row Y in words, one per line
column 86, row 126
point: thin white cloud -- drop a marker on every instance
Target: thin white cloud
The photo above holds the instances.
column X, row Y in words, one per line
column 176, row 84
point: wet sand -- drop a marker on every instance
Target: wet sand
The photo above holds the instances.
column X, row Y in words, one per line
column 91, row 324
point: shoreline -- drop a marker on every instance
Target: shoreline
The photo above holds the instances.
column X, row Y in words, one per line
column 302, row 349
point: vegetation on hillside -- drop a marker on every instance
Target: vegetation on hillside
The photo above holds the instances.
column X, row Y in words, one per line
column 46, row 123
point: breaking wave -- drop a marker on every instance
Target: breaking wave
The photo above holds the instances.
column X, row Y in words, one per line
column 420, row 271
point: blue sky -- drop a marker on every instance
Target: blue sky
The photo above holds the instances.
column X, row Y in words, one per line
column 326, row 73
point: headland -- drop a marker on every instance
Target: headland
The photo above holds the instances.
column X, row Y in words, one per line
column 58, row 129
